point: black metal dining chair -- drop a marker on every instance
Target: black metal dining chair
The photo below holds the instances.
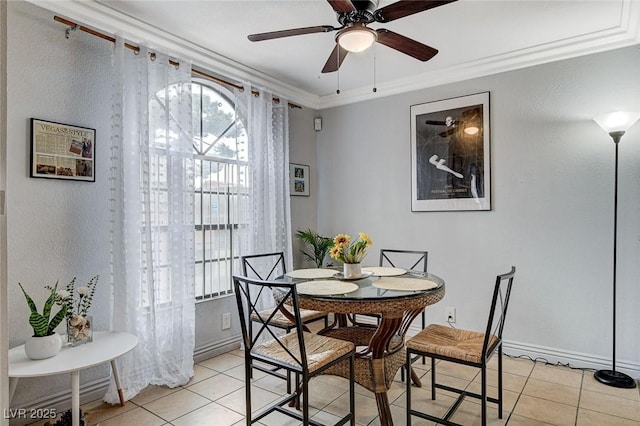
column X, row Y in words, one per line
column 473, row 348
column 268, row 266
column 300, row 352
column 411, row 260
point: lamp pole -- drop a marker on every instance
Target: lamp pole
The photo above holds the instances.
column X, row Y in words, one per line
column 615, row 124
column 616, row 140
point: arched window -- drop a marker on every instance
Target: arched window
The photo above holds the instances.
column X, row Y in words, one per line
column 220, row 151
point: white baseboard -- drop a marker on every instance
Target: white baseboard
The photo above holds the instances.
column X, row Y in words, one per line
column 552, row 355
column 574, row 359
column 58, row 402
column 210, row 350
column 95, row 390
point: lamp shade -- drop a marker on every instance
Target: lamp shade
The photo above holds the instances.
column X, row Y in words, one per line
column 356, row 38
column 617, row 121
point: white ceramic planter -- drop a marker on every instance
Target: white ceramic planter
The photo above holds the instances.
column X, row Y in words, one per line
column 43, row 347
column 352, row 270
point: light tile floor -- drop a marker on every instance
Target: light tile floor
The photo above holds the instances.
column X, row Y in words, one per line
column 535, row 394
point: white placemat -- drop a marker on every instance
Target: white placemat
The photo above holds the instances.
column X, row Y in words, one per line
column 404, row 284
column 385, row 271
column 311, row 273
column 326, row 287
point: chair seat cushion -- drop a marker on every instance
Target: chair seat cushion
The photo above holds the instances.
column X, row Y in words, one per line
column 321, row 350
column 280, row 320
column 451, row 342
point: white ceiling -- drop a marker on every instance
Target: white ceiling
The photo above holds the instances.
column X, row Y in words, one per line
column 474, row 37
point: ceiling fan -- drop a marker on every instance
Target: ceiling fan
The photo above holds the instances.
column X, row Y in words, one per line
column 354, row 35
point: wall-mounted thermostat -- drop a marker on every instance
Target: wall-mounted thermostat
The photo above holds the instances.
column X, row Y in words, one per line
column 317, row 123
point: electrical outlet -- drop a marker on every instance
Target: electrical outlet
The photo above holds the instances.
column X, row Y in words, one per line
column 451, row 314
column 226, row 321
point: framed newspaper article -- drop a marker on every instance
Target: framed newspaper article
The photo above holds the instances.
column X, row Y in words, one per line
column 62, row 151
column 450, row 158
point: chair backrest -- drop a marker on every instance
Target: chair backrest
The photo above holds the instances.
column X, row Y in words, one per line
column 498, row 312
column 267, row 266
column 414, row 260
column 247, row 292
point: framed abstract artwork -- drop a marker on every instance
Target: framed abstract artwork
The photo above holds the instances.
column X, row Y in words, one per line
column 450, row 154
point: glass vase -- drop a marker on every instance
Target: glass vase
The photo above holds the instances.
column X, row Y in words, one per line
column 79, row 329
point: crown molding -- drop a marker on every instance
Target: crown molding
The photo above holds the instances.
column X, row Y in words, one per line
column 626, row 33
column 103, row 18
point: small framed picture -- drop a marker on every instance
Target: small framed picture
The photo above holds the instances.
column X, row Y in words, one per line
column 62, row 151
column 299, row 179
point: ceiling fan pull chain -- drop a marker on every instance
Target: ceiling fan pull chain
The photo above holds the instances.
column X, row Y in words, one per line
column 338, row 72
column 375, row 89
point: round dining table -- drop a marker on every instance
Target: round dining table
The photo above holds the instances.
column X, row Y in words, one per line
column 395, row 300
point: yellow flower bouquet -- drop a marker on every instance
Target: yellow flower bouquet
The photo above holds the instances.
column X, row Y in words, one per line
column 347, row 251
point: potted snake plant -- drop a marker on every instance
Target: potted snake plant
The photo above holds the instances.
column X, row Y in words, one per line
column 45, row 342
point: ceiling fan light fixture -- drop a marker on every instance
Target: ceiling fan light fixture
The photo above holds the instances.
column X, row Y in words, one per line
column 356, row 38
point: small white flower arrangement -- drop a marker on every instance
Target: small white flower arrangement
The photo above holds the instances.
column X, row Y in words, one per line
column 77, row 308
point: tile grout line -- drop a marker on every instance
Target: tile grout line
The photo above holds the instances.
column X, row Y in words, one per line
column 581, row 388
column 579, row 398
column 520, row 393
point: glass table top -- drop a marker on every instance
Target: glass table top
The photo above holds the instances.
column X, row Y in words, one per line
column 371, row 287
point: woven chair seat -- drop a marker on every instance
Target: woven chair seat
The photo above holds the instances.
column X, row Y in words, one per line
column 321, row 350
column 281, row 321
column 451, row 342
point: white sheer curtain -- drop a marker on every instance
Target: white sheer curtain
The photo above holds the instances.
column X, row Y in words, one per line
column 152, row 194
column 267, row 124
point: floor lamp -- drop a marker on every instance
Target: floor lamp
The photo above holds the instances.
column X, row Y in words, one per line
column 615, row 124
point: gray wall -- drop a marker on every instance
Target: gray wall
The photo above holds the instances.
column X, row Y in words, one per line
column 60, row 229
column 552, row 191
column 302, row 150
column 552, row 177
column 4, row 323
column 56, row 230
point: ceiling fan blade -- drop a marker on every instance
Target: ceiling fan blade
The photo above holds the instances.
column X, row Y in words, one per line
column 403, row 8
column 406, row 45
column 342, row 6
column 291, row 32
column 335, row 59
